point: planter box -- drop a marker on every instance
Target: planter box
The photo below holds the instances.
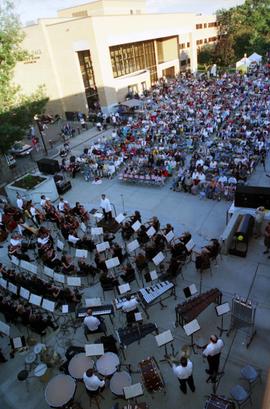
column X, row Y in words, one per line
column 32, row 189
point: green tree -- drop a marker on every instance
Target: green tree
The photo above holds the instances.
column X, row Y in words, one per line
column 206, row 55
column 16, row 110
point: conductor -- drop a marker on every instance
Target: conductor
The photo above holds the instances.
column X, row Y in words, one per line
column 106, row 207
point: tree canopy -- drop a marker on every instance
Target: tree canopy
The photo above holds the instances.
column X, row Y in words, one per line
column 16, row 110
column 242, row 29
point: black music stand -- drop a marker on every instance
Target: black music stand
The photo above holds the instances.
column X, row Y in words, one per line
column 164, row 339
column 221, row 310
column 190, row 329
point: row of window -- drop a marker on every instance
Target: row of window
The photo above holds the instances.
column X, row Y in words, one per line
column 184, row 45
column 128, row 58
column 205, row 41
column 88, row 77
column 205, row 25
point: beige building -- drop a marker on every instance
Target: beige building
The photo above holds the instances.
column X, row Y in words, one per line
column 102, row 50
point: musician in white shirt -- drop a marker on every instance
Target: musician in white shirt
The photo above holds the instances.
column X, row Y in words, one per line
column 183, row 371
column 19, row 201
column 92, row 382
column 106, row 207
column 212, row 353
column 63, row 205
column 130, row 308
column 91, row 323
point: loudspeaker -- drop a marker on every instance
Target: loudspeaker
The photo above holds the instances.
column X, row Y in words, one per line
column 252, row 196
column 49, row 166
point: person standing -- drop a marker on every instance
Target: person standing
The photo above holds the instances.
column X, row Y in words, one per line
column 183, row 371
column 212, row 353
column 259, row 218
column 106, row 207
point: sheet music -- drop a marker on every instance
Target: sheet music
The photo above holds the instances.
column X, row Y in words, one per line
column 92, row 302
column 151, row 232
column 60, row 278
column 193, row 289
column 81, row 253
column 135, row 226
column 133, row 391
column 158, row 258
column 190, row 244
column 12, row 288
column 15, row 260
column 133, row 245
column 35, row 299
column 73, row 239
column 60, row 245
column 3, row 283
column 112, row 262
column 223, row 308
column 64, row 309
column 169, row 236
column 191, row 327
column 4, row 328
column 96, row 231
column 153, row 275
column 24, row 293
column 83, row 227
column 124, row 288
column 17, row 342
column 28, row 266
column 164, row 338
column 48, row 272
column 102, row 246
column 120, row 218
column 94, row 349
column 74, row 281
column 98, row 215
column 138, row 316
column 48, row 305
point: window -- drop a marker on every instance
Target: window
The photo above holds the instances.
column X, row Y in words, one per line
column 212, row 39
column 205, row 25
column 128, row 58
column 199, row 42
column 182, row 46
column 188, row 45
column 199, row 26
column 88, row 77
column 205, row 40
column 213, row 24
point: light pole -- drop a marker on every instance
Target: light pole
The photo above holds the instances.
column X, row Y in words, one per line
column 40, row 129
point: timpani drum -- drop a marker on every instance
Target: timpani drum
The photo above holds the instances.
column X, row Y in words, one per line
column 79, row 364
column 118, row 381
column 60, row 390
column 107, row 364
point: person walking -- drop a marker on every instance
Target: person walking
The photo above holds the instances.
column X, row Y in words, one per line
column 183, row 371
column 106, row 207
column 212, row 353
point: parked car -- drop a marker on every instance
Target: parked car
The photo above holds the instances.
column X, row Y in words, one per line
column 20, row 149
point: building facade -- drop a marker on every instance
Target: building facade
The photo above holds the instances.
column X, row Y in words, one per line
column 102, row 50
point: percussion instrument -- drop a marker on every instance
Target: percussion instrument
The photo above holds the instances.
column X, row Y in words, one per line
column 107, row 364
column 60, row 390
column 151, row 375
column 118, row 381
column 189, row 310
column 127, row 336
column 79, row 364
column 150, row 294
column 218, row 402
column 105, row 309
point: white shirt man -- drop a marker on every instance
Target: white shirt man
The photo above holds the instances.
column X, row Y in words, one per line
column 61, row 205
column 19, row 202
column 130, row 305
column 212, row 352
column 106, row 207
column 91, row 381
column 213, row 348
column 92, row 323
column 182, row 372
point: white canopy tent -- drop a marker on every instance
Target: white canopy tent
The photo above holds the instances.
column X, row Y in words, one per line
column 244, row 62
column 255, row 58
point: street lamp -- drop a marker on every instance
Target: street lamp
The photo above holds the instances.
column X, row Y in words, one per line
column 41, row 130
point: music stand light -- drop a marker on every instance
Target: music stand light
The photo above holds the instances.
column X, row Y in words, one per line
column 190, row 329
column 221, row 310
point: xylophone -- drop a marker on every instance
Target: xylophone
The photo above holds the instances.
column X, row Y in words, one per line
column 189, row 310
column 152, row 377
column 150, row 294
